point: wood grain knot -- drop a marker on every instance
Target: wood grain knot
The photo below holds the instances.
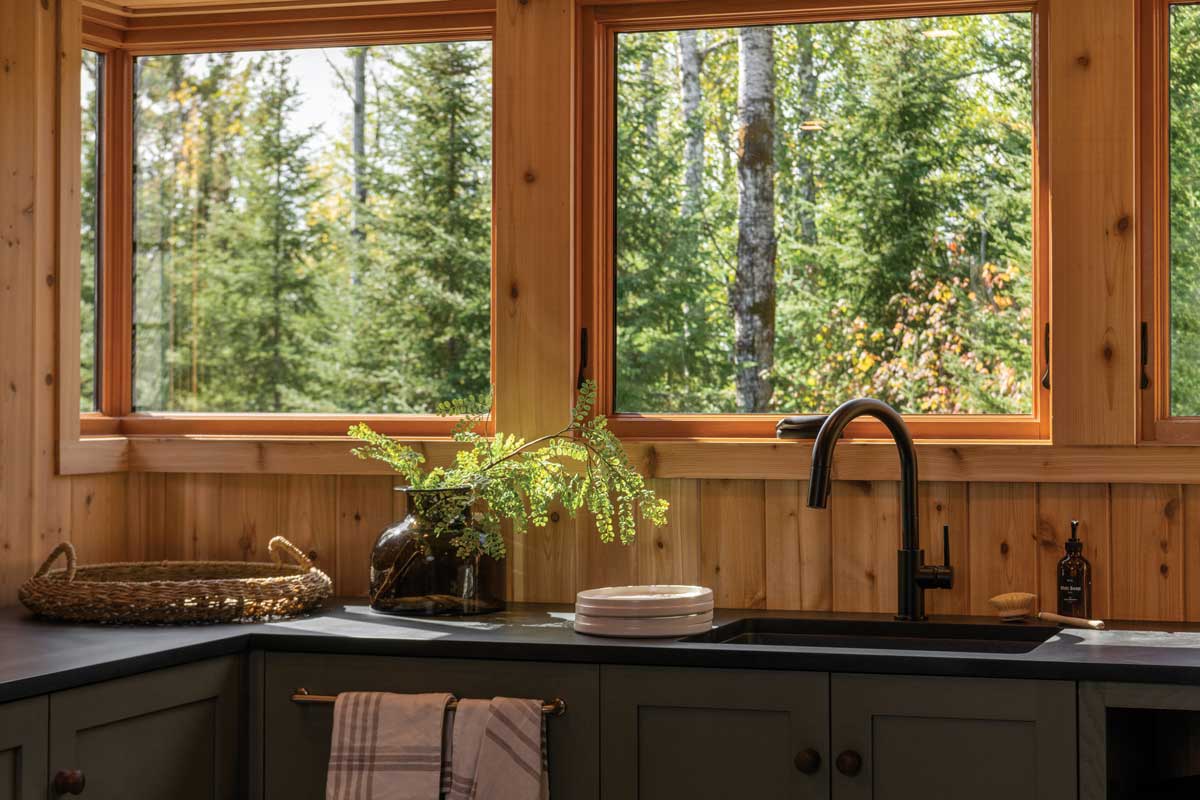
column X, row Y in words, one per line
column 49, row 379
column 1123, row 224
column 312, row 555
column 554, row 516
column 357, row 517
column 513, row 291
column 49, row 280
column 1107, row 352
column 529, row 176
column 1084, row 61
column 659, row 544
column 1169, row 509
column 1004, row 548
column 1164, row 570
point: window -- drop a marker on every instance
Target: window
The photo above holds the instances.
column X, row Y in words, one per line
column 1184, row 211
column 807, row 212
column 1170, row 336
column 90, row 157
column 312, row 229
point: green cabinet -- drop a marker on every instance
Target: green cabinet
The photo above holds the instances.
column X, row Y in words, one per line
column 711, row 733
column 297, row 735
column 170, row 733
column 703, row 733
column 23, row 749
column 901, row 737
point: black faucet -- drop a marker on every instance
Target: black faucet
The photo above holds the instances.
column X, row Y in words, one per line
column 914, row 575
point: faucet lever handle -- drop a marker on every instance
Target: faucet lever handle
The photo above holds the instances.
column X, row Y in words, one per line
column 946, row 546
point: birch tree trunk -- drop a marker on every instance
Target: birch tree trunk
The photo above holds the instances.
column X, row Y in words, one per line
column 806, row 77
column 691, row 61
column 359, row 144
column 752, row 295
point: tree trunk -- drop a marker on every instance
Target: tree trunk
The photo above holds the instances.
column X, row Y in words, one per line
column 691, row 61
column 806, row 78
column 752, row 295
column 653, row 103
column 359, row 143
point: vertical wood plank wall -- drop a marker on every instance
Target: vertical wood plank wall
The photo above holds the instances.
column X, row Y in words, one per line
column 37, row 508
column 754, row 542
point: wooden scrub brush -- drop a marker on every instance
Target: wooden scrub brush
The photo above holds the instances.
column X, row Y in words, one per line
column 1018, row 607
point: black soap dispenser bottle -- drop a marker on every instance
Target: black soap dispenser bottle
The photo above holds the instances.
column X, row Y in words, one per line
column 1075, row 579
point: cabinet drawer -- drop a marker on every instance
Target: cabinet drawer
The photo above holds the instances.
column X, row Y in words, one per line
column 297, row 735
column 978, row 738
column 713, row 733
column 169, row 733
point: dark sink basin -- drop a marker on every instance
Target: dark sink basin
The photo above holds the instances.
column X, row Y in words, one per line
column 881, row 634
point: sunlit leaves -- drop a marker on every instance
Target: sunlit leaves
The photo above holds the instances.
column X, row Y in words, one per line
column 918, row 178
column 506, row 479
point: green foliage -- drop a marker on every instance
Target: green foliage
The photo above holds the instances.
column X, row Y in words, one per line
column 509, row 479
column 263, row 281
column 903, row 179
column 1185, row 209
column 89, row 194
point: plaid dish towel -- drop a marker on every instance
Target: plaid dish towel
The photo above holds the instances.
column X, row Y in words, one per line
column 512, row 754
column 386, row 746
column 469, row 721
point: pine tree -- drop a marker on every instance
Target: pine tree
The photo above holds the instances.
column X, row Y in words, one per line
column 420, row 329
column 261, row 291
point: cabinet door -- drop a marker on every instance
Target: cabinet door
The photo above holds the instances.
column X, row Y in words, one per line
column 297, row 735
column 170, row 733
column 922, row 737
column 23, row 749
column 710, row 733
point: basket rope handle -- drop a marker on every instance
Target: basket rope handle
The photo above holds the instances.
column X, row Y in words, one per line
column 63, row 547
column 278, row 543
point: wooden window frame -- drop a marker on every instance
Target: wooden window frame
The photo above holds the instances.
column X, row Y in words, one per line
column 601, row 21
column 1156, row 422
column 121, row 39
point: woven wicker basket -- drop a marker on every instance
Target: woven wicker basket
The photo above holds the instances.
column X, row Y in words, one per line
column 173, row 592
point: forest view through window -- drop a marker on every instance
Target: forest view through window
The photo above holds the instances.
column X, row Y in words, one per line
column 90, row 71
column 313, row 229
column 813, row 212
column 1184, row 55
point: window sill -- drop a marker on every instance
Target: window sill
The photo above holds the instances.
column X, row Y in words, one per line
column 752, row 459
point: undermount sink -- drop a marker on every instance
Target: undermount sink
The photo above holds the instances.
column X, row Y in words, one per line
column 965, row 637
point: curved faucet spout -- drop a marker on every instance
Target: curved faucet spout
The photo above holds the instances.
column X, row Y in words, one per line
column 914, row 576
column 819, row 481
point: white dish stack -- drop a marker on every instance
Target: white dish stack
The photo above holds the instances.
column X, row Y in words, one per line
column 644, row 611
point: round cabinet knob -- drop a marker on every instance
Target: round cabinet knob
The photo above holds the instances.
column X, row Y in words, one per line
column 69, row 781
column 808, row 761
column 849, row 763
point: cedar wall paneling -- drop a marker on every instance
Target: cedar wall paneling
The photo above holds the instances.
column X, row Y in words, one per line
column 755, row 542
column 37, row 508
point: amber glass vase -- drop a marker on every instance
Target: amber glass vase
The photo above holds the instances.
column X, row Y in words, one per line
column 416, row 573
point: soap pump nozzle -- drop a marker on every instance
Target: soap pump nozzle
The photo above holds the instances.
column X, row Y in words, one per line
column 1073, row 544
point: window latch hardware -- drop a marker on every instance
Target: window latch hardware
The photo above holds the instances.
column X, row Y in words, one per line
column 583, row 357
column 1144, row 383
column 1046, row 355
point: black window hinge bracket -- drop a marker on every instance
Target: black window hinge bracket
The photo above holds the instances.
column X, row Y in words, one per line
column 1046, row 355
column 1144, row 380
column 583, row 357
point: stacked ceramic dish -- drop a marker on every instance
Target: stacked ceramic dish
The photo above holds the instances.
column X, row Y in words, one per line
column 644, row 611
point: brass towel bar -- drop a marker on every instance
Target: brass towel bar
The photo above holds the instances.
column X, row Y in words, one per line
column 555, row 708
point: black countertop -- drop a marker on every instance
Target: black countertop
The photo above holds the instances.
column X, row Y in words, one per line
column 37, row 657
